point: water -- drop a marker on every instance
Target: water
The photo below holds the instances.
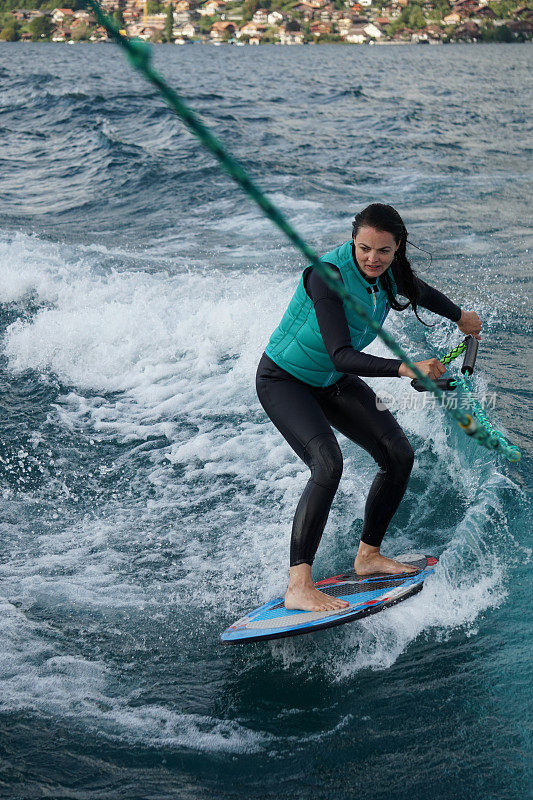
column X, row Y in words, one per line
column 146, row 499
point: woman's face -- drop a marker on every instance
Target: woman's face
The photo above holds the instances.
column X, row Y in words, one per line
column 374, row 251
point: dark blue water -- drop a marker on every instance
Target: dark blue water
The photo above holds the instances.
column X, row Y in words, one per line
column 146, row 501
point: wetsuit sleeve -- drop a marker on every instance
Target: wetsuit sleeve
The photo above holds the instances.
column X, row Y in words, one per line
column 430, row 298
column 336, row 334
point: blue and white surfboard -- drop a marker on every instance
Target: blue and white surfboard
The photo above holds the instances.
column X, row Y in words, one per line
column 366, row 595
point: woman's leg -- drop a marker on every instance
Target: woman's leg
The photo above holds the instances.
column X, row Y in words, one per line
column 295, row 412
column 353, row 411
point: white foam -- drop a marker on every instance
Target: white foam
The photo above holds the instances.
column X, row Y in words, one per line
column 469, row 579
column 149, row 353
column 35, row 678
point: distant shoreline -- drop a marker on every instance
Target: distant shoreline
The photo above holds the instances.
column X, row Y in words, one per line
column 386, row 43
column 292, row 23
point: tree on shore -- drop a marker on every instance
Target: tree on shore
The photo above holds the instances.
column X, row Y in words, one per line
column 249, row 8
column 154, row 7
column 9, row 34
column 205, row 23
column 49, row 5
column 169, row 23
column 40, row 28
column 493, row 33
column 413, row 17
column 81, row 34
column 118, row 17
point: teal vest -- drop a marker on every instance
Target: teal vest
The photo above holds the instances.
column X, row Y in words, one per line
column 297, row 345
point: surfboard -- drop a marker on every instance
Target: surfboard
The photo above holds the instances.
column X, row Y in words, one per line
column 366, row 595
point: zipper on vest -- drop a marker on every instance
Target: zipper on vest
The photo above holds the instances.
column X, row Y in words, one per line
column 372, row 290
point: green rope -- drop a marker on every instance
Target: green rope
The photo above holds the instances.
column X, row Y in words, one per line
column 139, row 54
column 512, row 452
column 449, row 357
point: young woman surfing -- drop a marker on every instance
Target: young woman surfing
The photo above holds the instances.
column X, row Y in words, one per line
column 308, row 382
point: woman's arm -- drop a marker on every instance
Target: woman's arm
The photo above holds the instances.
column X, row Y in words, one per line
column 429, row 297
column 470, row 323
column 433, row 300
column 336, row 334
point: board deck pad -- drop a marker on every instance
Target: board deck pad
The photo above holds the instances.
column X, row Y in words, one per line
column 366, row 595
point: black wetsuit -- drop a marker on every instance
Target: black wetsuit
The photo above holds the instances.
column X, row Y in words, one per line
column 304, row 415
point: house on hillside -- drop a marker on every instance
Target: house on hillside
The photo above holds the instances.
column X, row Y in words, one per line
column 290, row 37
column 392, row 11
column 131, row 14
column 275, row 18
column 222, row 30
column 134, row 28
column 523, row 11
column 147, row 33
column 99, row 35
column 372, row 31
column 469, row 32
column 155, row 21
column 211, row 8
column 403, row 35
column 78, row 25
column 434, row 33
column 59, row 15
column 187, row 30
column 344, row 24
column 521, row 26
column 320, row 29
column 305, row 9
column 251, row 29
column 260, row 16
column 356, row 35
column 482, row 13
column 464, row 7
column 181, row 17
column 85, row 16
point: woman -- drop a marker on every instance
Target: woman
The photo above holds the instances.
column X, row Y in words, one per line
column 307, row 381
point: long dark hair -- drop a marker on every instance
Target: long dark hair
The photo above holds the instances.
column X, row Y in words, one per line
column 386, row 218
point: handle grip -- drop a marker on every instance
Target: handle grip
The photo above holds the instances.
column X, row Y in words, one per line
column 469, row 360
column 445, row 384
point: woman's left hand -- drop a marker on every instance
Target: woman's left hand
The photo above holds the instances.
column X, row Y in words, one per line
column 469, row 322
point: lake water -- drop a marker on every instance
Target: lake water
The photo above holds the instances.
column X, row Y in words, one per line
column 147, row 500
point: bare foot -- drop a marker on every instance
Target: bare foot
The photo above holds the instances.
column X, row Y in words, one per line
column 306, row 598
column 375, row 562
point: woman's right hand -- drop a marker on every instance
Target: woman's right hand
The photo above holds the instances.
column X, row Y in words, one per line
column 432, row 367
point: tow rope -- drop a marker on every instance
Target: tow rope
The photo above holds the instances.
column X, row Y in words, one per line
column 139, row 52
